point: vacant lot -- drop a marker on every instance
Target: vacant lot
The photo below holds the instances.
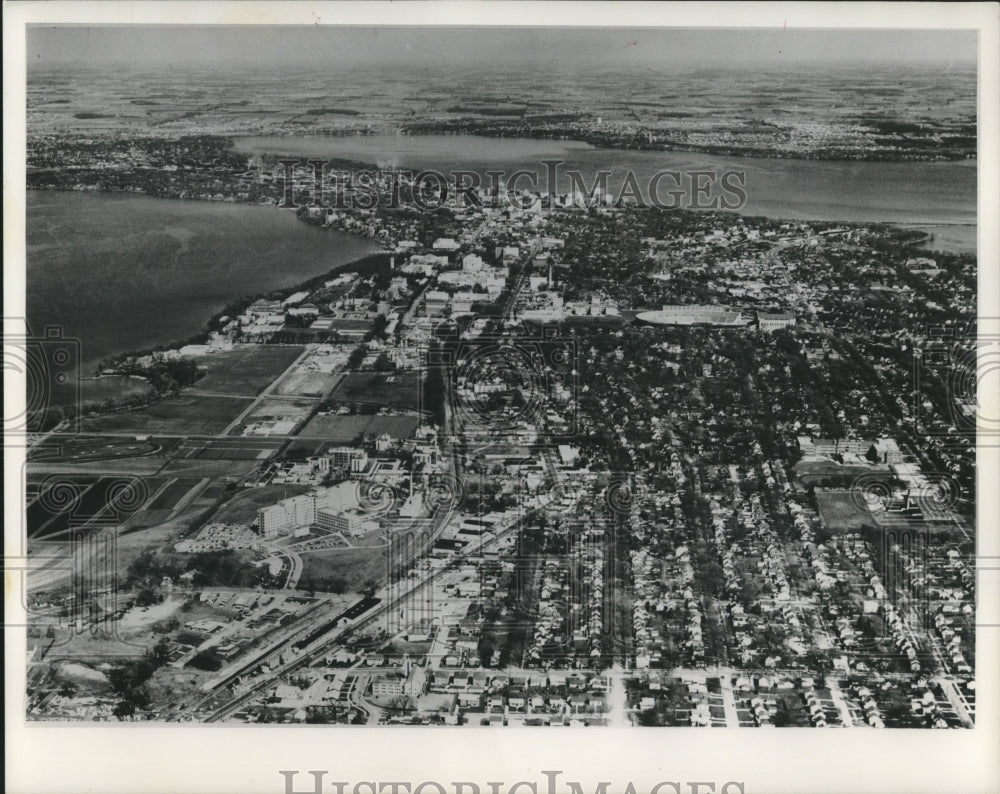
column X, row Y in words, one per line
column 185, row 414
column 350, row 569
column 345, row 429
column 247, row 369
column 393, row 389
column 843, row 510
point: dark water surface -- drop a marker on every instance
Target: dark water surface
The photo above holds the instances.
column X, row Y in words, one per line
column 939, row 196
column 125, row 272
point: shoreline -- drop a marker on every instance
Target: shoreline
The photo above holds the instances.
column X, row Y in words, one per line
column 207, row 324
column 153, row 396
column 200, row 332
column 720, row 150
column 276, row 205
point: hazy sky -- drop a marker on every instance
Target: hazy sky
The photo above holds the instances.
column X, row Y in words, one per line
column 233, row 47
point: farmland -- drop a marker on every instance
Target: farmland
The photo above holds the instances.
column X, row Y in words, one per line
column 168, row 498
column 228, row 449
column 67, row 502
column 395, row 390
column 246, row 370
column 184, row 414
column 345, row 429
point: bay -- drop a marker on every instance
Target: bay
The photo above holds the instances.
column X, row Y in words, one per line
column 125, row 272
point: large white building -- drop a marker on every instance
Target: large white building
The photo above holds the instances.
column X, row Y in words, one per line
column 296, row 511
column 348, row 521
column 772, row 321
column 301, row 511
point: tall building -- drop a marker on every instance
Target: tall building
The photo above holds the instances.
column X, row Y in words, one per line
column 348, row 521
column 300, row 511
column 296, row 511
column 341, row 457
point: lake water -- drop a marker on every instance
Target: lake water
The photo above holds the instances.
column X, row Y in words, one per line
column 940, row 197
column 125, row 272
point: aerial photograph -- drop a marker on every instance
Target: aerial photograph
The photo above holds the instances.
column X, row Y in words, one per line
column 501, row 377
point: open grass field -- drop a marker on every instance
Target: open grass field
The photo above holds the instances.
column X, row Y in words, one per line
column 842, row 510
column 185, row 414
column 354, row 567
column 228, row 448
column 246, row 369
column 168, row 498
column 298, row 449
column 393, row 389
column 284, row 409
column 147, row 518
column 147, row 465
column 242, row 508
column 345, row 429
column 229, row 469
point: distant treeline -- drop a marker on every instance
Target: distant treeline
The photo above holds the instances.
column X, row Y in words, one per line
column 332, row 112
column 488, row 111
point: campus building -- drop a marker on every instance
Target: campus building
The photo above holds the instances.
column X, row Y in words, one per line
column 348, row 521
column 301, row 511
column 280, row 518
column 772, row 321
